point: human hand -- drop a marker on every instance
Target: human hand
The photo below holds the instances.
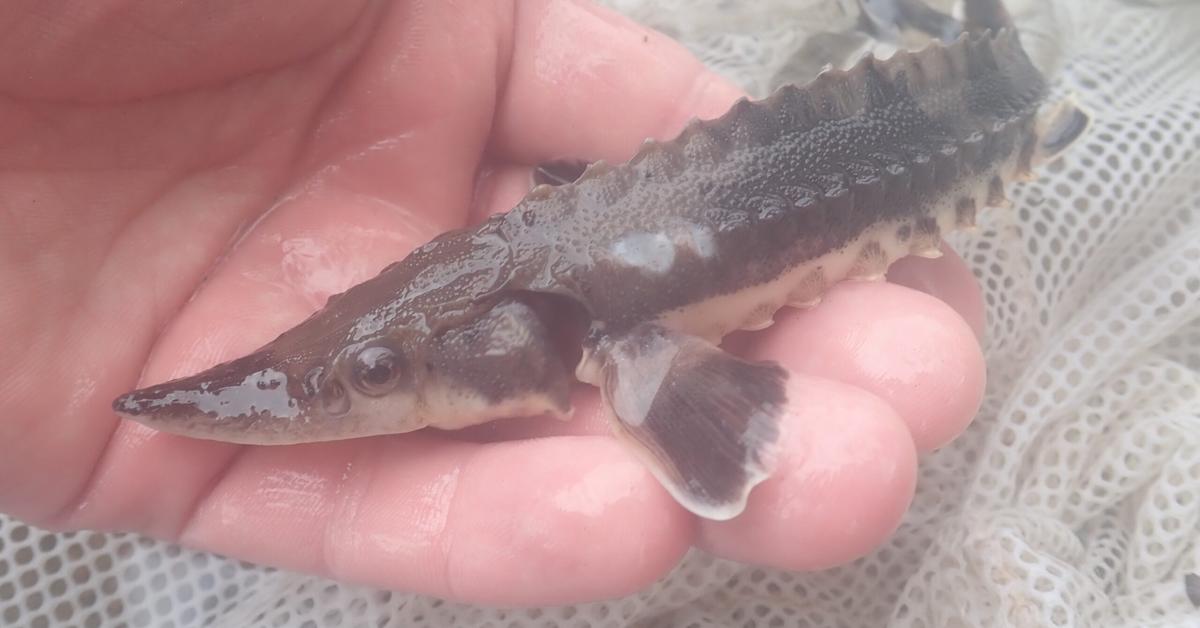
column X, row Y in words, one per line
column 323, row 141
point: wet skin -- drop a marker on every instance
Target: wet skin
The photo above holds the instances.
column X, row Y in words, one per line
column 123, row 190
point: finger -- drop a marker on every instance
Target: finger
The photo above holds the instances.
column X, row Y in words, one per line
column 906, row 347
column 500, row 188
column 845, row 474
column 947, row 278
column 541, row 522
column 407, row 123
column 587, row 83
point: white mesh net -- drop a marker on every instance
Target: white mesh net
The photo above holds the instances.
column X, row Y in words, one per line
column 1073, row 499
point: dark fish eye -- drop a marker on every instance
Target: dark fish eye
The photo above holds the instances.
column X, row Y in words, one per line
column 376, row 370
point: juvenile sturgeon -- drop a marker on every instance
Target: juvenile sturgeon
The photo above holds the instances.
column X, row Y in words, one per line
column 634, row 272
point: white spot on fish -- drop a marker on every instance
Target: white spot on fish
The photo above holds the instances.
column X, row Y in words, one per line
column 656, row 252
column 651, row 252
column 262, row 391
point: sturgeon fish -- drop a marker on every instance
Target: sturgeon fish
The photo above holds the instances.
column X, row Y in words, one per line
column 628, row 276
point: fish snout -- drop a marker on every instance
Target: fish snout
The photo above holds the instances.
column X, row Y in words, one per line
column 244, row 401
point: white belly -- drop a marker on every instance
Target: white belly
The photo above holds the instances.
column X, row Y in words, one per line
column 866, row 257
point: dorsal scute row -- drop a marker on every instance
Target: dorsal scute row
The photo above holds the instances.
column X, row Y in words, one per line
column 836, row 95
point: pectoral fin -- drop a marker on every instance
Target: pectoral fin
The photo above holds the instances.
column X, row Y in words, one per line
column 705, row 421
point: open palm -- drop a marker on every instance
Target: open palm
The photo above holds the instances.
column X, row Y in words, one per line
column 181, row 183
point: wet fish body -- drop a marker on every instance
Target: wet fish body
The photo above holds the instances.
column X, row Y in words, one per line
column 630, row 275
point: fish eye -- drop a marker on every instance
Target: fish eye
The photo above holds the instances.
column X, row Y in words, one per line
column 376, row 370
